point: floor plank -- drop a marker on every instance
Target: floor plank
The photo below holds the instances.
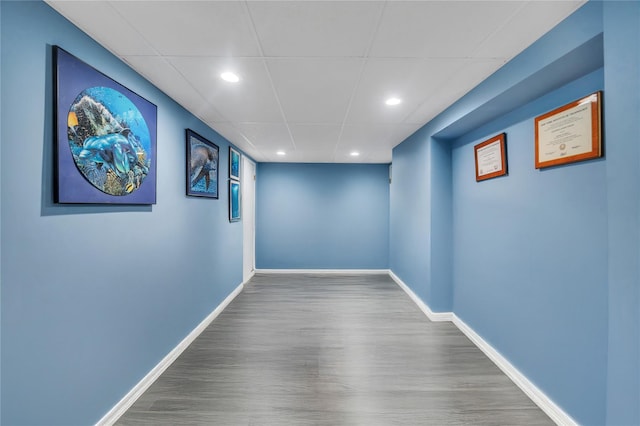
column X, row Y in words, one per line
column 311, row 349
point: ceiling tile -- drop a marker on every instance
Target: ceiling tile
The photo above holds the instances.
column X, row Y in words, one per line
column 99, row 19
column 306, row 156
column 380, row 155
column 315, row 28
column 366, row 137
column 440, row 29
column 454, row 88
column 219, row 28
column 316, row 71
column 314, row 90
column 161, row 73
column 315, row 136
column 231, row 133
column 530, row 23
column 250, row 100
column 267, row 136
column 411, row 80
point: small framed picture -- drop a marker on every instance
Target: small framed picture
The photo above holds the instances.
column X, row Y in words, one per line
column 491, row 158
column 234, row 201
column 234, row 164
column 202, row 166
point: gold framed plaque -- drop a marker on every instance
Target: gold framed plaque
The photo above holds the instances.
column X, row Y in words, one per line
column 569, row 133
column 491, row 158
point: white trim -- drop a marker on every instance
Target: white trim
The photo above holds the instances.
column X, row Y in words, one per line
column 130, row 398
column 532, row 391
column 324, row 271
column 433, row 316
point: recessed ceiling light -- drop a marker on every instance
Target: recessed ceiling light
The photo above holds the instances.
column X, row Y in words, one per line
column 355, row 153
column 281, row 153
column 393, row 101
column 230, row 77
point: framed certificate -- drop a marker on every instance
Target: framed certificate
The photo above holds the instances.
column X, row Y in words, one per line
column 569, row 133
column 491, row 158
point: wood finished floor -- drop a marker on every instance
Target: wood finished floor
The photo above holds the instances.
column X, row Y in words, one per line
column 331, row 350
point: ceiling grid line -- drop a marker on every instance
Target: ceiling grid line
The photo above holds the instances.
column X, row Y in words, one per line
column 315, row 74
column 264, row 63
column 359, row 80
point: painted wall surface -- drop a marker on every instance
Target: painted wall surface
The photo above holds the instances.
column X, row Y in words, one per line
column 421, row 204
column 322, row 216
column 409, row 215
column 545, row 263
column 530, row 259
column 93, row 297
column 622, row 110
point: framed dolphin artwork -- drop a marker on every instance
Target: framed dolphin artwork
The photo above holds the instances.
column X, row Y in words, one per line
column 105, row 137
column 234, row 164
column 202, row 166
column 234, row 201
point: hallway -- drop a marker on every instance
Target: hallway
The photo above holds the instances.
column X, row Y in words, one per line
column 300, row 349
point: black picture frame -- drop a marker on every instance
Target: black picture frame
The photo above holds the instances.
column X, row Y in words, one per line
column 202, row 166
column 235, row 197
column 105, row 137
column 234, row 163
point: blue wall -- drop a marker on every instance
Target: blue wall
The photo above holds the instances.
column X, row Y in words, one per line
column 530, row 259
column 93, row 297
column 621, row 113
column 322, row 216
column 543, row 264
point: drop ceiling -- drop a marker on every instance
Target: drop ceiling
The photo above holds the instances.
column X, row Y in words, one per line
column 314, row 75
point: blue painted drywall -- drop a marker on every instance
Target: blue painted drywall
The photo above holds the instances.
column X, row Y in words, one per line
column 530, row 259
column 544, row 264
column 420, row 211
column 322, row 216
column 93, row 297
column 409, row 220
column 622, row 127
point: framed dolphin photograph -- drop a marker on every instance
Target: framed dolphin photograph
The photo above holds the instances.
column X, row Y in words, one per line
column 105, row 137
column 202, row 166
column 234, row 164
column 234, row 201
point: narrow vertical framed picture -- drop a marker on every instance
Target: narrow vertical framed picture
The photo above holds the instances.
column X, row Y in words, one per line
column 569, row 133
column 234, row 201
column 202, row 166
column 234, row 164
column 491, row 158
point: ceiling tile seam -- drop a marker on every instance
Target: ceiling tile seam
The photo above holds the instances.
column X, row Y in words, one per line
column 168, row 62
column 499, row 28
column 247, row 10
column 134, row 28
column 360, row 74
column 445, row 84
column 206, row 101
column 82, row 27
column 148, row 78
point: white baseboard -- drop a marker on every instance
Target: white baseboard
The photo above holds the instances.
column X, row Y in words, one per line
column 433, row 316
column 532, row 391
column 324, row 271
column 130, row 398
